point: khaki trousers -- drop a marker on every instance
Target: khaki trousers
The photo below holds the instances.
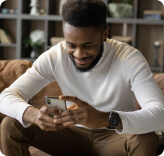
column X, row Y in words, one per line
column 74, row 141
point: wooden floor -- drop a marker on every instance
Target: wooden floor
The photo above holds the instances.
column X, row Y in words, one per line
column 35, row 152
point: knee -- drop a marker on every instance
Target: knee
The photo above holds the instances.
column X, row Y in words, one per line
column 144, row 142
column 9, row 125
column 145, row 139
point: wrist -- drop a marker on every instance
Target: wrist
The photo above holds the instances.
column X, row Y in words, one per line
column 30, row 114
column 105, row 119
column 114, row 121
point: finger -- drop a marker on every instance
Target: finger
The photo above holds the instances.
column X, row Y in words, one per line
column 47, row 121
column 74, row 122
column 72, row 107
column 69, row 118
column 53, row 110
column 50, row 110
column 51, row 127
column 70, row 112
column 69, row 124
column 69, row 98
column 44, row 117
column 44, row 109
column 73, row 99
column 47, row 124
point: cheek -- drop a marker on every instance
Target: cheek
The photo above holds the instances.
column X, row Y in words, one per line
column 95, row 51
column 70, row 51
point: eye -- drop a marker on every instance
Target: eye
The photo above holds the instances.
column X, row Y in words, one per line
column 71, row 46
column 88, row 46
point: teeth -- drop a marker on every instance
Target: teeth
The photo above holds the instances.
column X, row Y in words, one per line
column 83, row 59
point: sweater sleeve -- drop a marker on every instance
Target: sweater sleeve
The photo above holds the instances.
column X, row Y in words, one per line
column 150, row 117
column 14, row 100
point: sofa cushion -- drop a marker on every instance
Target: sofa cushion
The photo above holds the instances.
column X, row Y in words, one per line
column 10, row 70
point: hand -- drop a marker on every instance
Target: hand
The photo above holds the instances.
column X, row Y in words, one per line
column 83, row 114
column 42, row 118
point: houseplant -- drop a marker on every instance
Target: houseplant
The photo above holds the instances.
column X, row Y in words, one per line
column 36, row 41
column 121, row 10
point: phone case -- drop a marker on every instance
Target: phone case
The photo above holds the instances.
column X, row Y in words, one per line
column 55, row 102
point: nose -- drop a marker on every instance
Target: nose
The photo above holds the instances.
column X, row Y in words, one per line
column 79, row 53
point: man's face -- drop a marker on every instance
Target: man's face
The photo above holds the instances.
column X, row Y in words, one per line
column 84, row 46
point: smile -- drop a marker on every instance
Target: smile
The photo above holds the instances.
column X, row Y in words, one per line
column 82, row 61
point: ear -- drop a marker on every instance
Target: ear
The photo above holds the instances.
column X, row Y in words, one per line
column 105, row 33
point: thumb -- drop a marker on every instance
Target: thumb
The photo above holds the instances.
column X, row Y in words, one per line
column 73, row 99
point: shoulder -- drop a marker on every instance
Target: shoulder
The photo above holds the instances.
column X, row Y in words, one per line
column 58, row 49
column 51, row 57
column 120, row 48
column 130, row 59
column 122, row 51
column 53, row 54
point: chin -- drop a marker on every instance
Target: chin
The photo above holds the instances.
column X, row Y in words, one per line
column 83, row 69
column 82, row 66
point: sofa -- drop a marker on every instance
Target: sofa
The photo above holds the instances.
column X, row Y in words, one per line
column 10, row 70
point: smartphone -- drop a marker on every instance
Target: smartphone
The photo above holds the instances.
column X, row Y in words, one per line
column 55, row 102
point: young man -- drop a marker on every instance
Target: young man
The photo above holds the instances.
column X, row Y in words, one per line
column 101, row 77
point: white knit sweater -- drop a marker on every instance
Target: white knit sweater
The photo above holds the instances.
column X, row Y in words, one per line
column 121, row 74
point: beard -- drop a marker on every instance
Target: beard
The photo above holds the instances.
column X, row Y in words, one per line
column 92, row 65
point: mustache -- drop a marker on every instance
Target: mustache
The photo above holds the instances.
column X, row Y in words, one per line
column 84, row 58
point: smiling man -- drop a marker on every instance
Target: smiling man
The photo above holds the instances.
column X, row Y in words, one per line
column 101, row 77
column 84, row 55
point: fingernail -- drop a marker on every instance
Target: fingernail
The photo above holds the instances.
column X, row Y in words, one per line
column 56, row 120
column 60, row 97
column 56, row 116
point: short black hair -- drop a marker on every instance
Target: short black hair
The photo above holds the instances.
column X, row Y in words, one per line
column 85, row 13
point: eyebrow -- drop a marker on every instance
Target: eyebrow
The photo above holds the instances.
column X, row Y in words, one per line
column 81, row 44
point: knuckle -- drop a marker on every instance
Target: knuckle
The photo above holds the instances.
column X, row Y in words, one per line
column 61, row 120
column 74, row 116
column 70, row 117
column 65, row 124
column 43, row 109
column 43, row 128
column 75, row 98
column 68, row 112
column 40, row 116
column 41, row 123
column 72, row 123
